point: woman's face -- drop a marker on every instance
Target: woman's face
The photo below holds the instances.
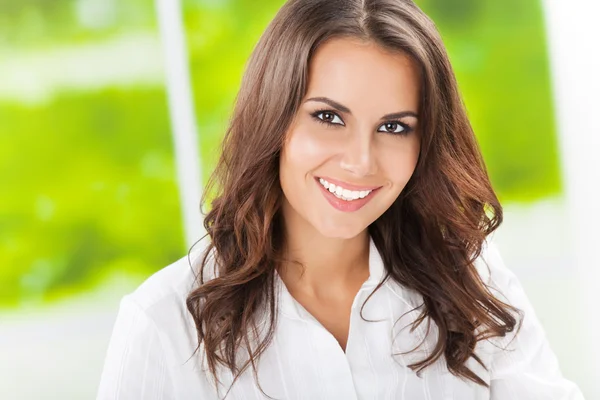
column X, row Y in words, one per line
column 356, row 129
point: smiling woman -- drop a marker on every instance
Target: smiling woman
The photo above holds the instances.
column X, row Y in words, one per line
column 351, row 203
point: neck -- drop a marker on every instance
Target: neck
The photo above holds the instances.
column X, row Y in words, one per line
column 319, row 266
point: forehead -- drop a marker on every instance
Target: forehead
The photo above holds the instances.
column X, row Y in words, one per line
column 351, row 70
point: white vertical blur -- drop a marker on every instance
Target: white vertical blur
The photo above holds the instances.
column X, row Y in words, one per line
column 183, row 119
column 573, row 32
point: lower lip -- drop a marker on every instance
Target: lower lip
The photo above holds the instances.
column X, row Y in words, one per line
column 343, row 205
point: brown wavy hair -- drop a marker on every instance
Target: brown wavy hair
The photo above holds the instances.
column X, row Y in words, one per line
column 430, row 236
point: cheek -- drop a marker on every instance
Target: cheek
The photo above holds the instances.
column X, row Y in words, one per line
column 399, row 162
column 305, row 151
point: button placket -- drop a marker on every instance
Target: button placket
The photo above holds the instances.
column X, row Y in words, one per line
column 355, row 313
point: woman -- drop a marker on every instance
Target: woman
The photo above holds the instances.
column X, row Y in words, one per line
column 347, row 254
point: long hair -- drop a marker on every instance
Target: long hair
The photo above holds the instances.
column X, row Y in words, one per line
column 430, row 236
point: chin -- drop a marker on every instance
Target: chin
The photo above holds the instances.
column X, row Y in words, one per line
column 340, row 231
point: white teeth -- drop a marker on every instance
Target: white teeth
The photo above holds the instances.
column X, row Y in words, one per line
column 342, row 193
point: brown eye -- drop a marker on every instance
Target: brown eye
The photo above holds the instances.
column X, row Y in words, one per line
column 328, row 117
column 394, row 128
column 391, row 127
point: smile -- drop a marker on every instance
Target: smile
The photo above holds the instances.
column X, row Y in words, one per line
column 344, row 199
column 342, row 193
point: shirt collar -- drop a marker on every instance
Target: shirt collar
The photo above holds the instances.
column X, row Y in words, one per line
column 376, row 267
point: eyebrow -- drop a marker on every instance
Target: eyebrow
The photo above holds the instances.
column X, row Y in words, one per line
column 344, row 109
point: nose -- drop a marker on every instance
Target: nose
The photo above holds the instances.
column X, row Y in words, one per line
column 359, row 156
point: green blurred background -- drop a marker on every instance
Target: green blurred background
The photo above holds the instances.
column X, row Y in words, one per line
column 86, row 156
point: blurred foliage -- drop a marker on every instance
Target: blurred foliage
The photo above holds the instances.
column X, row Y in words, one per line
column 46, row 23
column 88, row 178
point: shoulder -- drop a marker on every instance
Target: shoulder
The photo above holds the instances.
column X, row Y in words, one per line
column 160, row 301
column 153, row 333
column 523, row 361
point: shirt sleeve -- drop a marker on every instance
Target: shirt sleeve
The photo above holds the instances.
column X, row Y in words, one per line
column 135, row 365
column 527, row 368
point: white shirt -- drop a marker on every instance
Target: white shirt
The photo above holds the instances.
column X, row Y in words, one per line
column 154, row 336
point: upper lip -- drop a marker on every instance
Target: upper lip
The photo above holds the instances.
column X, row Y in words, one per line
column 348, row 186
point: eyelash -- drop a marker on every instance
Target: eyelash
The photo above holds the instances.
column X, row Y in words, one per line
column 407, row 129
